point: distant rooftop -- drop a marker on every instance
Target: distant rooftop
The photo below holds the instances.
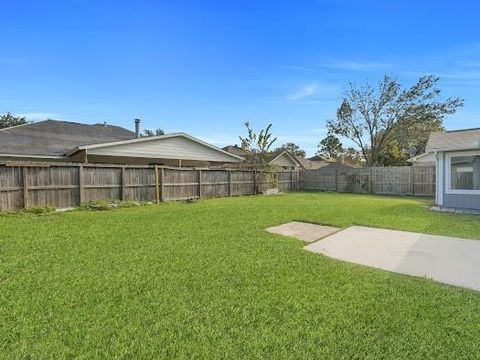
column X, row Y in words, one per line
column 54, row 137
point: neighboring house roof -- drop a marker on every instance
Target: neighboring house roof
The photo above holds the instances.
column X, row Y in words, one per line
column 169, row 146
column 284, row 158
column 55, row 138
column 318, row 158
column 312, row 165
column 467, row 139
column 425, row 157
column 62, row 139
column 234, row 149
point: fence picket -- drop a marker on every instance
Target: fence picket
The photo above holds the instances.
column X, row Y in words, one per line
column 68, row 185
column 394, row 180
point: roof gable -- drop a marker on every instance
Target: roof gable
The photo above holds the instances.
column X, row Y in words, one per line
column 171, row 146
column 284, row 159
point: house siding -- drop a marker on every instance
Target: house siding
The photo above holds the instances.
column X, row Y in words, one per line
column 168, row 148
column 458, row 201
column 461, row 201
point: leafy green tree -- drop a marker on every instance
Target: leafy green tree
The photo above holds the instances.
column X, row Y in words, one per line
column 408, row 140
column 149, row 132
column 352, row 156
column 292, row 149
column 8, row 120
column 257, row 146
column 330, row 146
column 371, row 116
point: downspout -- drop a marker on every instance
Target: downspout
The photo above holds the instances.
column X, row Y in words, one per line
column 436, row 177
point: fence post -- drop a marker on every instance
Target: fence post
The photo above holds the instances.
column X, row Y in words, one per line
column 336, row 180
column 25, row 186
column 162, row 186
column 80, row 185
column 199, row 184
column 157, row 187
column 255, row 182
column 229, row 182
column 1, row 202
column 124, row 188
column 412, row 180
column 370, row 180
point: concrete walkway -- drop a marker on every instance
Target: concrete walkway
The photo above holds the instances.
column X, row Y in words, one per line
column 444, row 259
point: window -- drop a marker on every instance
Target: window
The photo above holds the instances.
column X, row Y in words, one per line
column 463, row 171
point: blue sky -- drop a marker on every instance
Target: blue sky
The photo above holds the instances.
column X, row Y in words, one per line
column 206, row 67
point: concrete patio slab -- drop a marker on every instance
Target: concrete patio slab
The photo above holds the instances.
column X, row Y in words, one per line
column 303, row 231
column 444, row 259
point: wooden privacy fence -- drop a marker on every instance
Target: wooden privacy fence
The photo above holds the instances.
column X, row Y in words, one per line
column 69, row 185
column 395, row 180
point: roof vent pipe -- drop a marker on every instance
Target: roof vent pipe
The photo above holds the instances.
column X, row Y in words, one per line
column 137, row 128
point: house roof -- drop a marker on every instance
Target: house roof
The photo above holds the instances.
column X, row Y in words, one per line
column 61, row 139
column 283, row 153
column 467, row 139
column 234, row 149
column 311, row 165
column 318, row 158
column 55, row 138
column 425, row 157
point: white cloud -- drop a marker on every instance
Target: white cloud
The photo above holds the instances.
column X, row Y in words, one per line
column 39, row 115
column 315, row 91
column 304, row 92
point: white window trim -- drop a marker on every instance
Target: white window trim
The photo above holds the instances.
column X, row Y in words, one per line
column 448, row 173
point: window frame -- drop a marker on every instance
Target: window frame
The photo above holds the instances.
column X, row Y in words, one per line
column 448, row 173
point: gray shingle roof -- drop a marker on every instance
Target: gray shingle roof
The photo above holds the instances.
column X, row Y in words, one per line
column 52, row 137
column 234, row 149
column 454, row 140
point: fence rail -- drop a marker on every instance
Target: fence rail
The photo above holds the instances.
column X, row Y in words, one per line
column 395, row 180
column 69, row 185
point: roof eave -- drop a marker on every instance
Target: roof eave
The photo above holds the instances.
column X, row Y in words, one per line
column 152, row 138
column 34, row 156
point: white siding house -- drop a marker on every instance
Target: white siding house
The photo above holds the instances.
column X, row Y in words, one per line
column 177, row 149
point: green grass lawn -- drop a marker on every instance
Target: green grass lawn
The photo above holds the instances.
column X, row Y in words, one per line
column 205, row 280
